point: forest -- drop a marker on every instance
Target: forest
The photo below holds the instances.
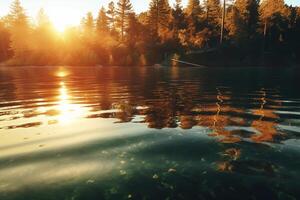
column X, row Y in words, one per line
column 210, row 32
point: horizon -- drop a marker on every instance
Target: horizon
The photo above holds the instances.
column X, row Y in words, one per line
column 56, row 9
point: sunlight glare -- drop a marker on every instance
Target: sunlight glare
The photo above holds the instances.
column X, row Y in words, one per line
column 62, row 74
column 62, row 16
column 68, row 111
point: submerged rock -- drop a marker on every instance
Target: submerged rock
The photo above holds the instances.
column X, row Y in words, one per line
column 250, row 167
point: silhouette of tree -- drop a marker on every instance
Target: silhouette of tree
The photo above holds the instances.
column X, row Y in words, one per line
column 133, row 29
column 4, row 41
column 123, row 10
column 159, row 16
column 44, row 40
column 179, row 20
column 156, row 35
column 111, row 14
column 88, row 23
column 102, row 25
column 213, row 13
column 274, row 15
column 243, row 20
column 194, row 8
column 20, row 30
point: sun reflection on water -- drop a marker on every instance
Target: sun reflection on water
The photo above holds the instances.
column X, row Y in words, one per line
column 62, row 73
column 68, row 111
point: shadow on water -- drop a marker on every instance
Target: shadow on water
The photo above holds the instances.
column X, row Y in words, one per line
column 149, row 133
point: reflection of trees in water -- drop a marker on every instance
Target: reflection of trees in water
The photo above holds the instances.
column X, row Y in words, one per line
column 218, row 118
column 186, row 108
column 267, row 122
column 167, row 100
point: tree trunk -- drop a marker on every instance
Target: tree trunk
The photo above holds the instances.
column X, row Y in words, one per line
column 223, row 21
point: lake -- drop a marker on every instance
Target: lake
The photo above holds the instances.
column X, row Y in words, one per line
column 80, row 133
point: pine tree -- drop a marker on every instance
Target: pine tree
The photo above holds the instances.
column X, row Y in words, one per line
column 194, row 12
column 102, row 22
column 159, row 16
column 88, row 23
column 4, row 41
column 42, row 19
column 123, row 10
column 19, row 29
column 193, row 8
column 44, row 40
column 133, row 29
column 270, row 8
column 111, row 14
column 178, row 18
column 213, row 13
column 243, row 19
column 274, row 15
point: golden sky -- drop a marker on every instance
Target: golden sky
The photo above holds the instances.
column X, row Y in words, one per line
column 65, row 13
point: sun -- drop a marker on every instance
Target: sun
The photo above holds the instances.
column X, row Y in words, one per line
column 62, row 18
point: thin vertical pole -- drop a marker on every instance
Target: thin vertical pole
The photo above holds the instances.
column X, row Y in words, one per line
column 223, row 21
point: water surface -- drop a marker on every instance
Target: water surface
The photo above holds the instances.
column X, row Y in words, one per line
column 149, row 133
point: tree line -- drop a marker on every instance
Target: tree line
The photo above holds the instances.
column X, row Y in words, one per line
column 246, row 31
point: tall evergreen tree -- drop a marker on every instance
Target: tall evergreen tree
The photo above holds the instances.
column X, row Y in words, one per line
column 243, row 19
column 274, row 15
column 193, row 8
column 111, row 14
column 19, row 29
column 88, row 23
column 4, row 41
column 159, row 16
column 269, row 9
column 102, row 25
column 194, row 12
column 123, row 10
column 44, row 40
column 42, row 19
column 213, row 13
column 178, row 18
column 133, row 30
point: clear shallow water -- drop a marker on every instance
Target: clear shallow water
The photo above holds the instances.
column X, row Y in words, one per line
column 149, row 133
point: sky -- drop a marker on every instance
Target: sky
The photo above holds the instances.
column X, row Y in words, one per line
column 65, row 13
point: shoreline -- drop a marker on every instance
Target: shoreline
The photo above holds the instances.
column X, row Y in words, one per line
column 162, row 66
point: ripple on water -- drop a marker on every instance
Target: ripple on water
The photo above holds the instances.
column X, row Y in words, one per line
column 174, row 133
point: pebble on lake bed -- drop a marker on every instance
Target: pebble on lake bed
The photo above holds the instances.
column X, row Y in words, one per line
column 123, row 172
column 122, row 162
column 172, row 170
column 90, row 181
column 155, row 176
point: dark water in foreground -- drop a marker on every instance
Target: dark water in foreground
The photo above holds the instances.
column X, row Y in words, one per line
column 149, row 133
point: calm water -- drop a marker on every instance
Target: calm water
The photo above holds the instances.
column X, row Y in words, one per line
column 149, row 133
